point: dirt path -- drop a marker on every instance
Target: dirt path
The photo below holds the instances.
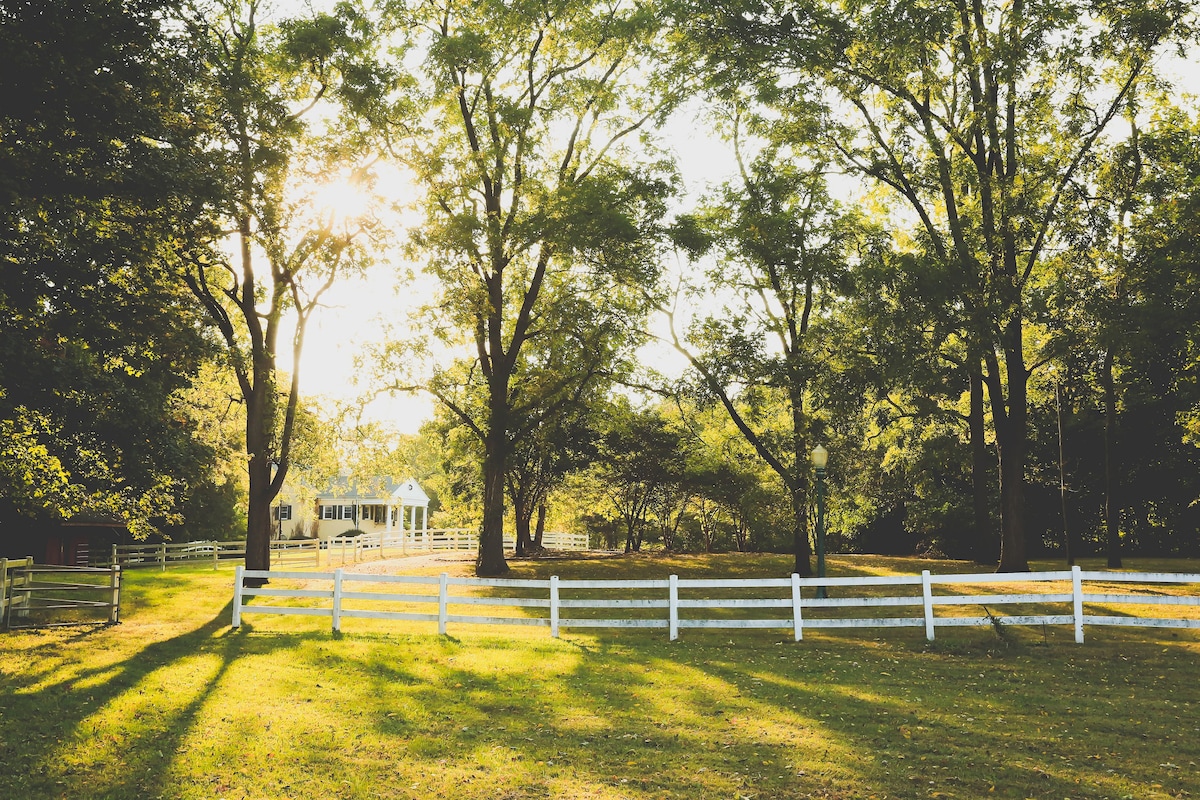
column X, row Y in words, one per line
column 396, row 566
column 390, row 566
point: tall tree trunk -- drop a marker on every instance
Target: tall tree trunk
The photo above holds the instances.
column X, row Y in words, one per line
column 258, row 516
column 1013, row 556
column 800, row 544
column 522, row 517
column 258, row 448
column 1112, row 506
column 983, row 545
column 490, row 560
column 669, row 542
column 1011, row 421
column 541, row 527
column 801, row 461
column 707, row 524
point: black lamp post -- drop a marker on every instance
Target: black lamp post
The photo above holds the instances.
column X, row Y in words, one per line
column 820, row 456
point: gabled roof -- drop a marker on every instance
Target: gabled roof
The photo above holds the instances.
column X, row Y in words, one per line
column 378, row 489
column 410, row 492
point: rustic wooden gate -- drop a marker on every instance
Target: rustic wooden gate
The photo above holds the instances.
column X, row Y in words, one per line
column 38, row 596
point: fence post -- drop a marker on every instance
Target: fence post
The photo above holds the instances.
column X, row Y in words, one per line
column 337, row 600
column 797, row 621
column 316, row 545
column 443, row 599
column 162, row 556
column 216, row 548
column 554, row 606
column 4, row 592
column 27, row 601
column 927, row 596
column 237, row 595
column 114, row 613
column 114, row 556
column 1077, row 597
column 674, row 604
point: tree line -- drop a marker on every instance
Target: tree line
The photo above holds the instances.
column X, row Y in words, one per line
column 955, row 249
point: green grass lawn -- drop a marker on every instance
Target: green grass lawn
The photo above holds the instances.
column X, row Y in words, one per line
column 173, row 703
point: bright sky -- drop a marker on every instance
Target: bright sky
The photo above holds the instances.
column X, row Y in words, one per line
column 357, row 312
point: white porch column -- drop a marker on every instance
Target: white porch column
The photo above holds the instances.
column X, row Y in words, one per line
column 387, row 518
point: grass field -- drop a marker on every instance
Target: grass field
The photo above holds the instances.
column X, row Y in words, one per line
column 172, row 703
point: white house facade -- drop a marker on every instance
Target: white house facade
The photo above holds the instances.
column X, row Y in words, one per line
column 373, row 505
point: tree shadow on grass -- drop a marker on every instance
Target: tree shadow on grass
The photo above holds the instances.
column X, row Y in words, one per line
column 843, row 715
column 964, row 719
column 619, row 715
column 633, row 716
column 111, row 729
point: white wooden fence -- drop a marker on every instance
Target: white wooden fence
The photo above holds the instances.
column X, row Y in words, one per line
column 677, row 603
column 389, row 544
column 34, row 595
column 298, row 552
column 307, row 552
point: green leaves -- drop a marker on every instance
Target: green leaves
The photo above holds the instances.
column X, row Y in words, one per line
column 462, row 51
column 33, row 479
column 99, row 187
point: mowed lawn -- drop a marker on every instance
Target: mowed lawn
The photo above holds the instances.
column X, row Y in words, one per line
column 172, row 703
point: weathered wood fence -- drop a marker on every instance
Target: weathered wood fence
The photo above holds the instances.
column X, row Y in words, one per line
column 14, row 575
column 1036, row 598
column 38, row 596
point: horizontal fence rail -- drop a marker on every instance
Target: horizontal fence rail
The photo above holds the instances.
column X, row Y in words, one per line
column 285, row 552
column 311, row 552
column 167, row 554
column 36, row 596
column 792, row 604
column 388, row 544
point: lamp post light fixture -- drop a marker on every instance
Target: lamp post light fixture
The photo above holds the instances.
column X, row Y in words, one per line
column 820, row 456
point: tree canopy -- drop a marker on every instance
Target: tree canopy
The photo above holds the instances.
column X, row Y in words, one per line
column 96, row 338
column 956, row 248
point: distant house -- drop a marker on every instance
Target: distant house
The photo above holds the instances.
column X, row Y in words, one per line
column 373, row 505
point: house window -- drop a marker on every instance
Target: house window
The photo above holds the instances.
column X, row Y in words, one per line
column 283, row 511
column 336, row 512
